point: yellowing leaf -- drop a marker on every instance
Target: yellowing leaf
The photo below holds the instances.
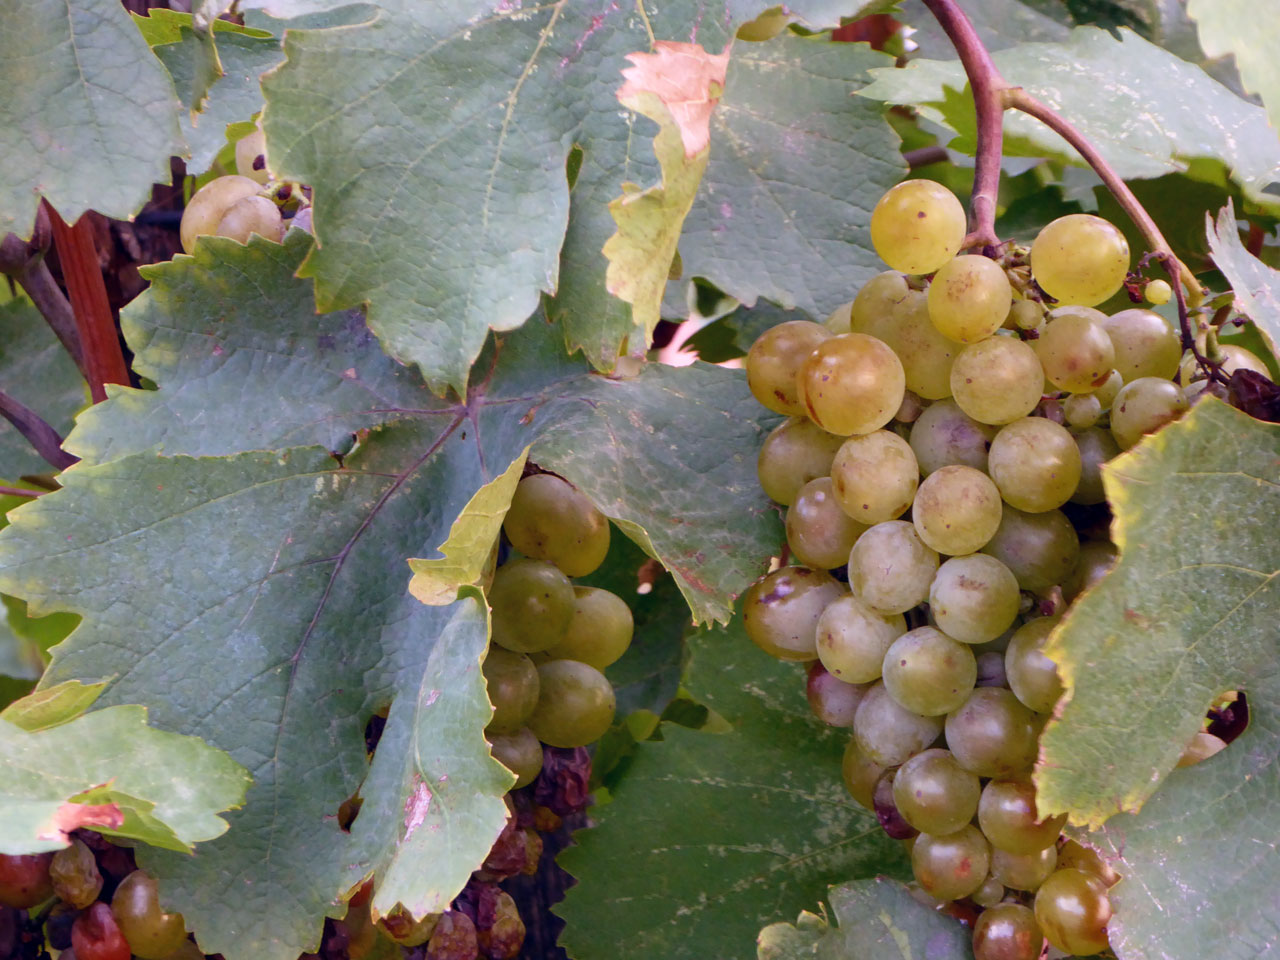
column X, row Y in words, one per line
column 686, row 80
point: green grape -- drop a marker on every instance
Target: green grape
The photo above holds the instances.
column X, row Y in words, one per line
column 1075, row 352
column 251, row 156
column 575, row 704
column 1081, row 410
column 1097, row 446
column 75, row 875
column 512, row 683
column 974, row 598
column 944, row 435
column 951, row 866
column 1035, row 463
column 935, row 794
column 24, row 879
column 795, row 452
column 1073, row 910
column 1106, row 394
column 917, row 226
column 929, row 673
column 1007, row 816
column 1007, row 931
column 532, row 604
column 1158, row 292
column 1040, row 548
column 957, row 510
column 1233, row 358
column 1080, row 259
column 519, row 752
column 887, row 733
column 152, row 933
column 550, row 519
column 890, row 567
column 860, row 774
column 969, row 298
column 209, row 203
column 1023, row 871
column 989, row 894
column 1144, row 406
column 852, row 639
column 249, row 216
column 1025, row 315
column 1033, row 677
column 839, row 319
column 997, row 380
column 819, row 532
column 898, row 315
column 1097, row 557
column 599, row 631
column 874, row 477
column 1145, row 345
column 775, row 360
column 1075, row 855
column 780, row 611
column 993, row 734
column 851, row 384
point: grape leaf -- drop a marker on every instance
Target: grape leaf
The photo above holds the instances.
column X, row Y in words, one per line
column 55, row 705
column 1188, row 612
column 88, row 118
column 1147, row 111
column 1000, row 24
column 761, row 809
column 1251, row 34
column 146, row 784
column 1256, row 286
column 878, row 920
column 772, row 220
column 36, row 370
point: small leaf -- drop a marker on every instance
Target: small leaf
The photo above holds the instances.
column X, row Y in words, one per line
column 52, row 706
column 1256, row 286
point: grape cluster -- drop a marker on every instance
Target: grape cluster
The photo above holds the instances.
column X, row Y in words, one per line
column 941, row 473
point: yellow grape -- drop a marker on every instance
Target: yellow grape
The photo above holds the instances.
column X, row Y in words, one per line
column 1080, row 259
column 997, row 380
column 774, row 361
column 969, row 299
column 249, row 216
column 917, row 226
column 851, row 384
column 1145, row 345
column 208, row 205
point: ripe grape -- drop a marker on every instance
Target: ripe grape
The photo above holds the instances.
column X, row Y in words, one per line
column 1145, row 345
column 899, row 316
column 1025, row 315
column 957, row 510
column 1007, row 815
column 775, row 359
column 1144, row 406
column 25, row 880
column 795, row 452
column 599, row 631
column 887, row 733
column 251, row 156
column 780, row 612
column 974, row 598
column 550, row 519
column 1035, row 463
column 819, row 532
column 1096, row 446
column 1033, row 677
column 532, row 604
column 852, row 639
column 874, row 477
column 1158, row 292
column 1040, row 548
column 519, row 752
column 1073, row 910
column 1081, row 410
column 1080, row 259
column 249, row 216
column 1233, row 358
column 969, row 298
column 95, row 935
column 1023, row 871
column 152, row 933
column 993, row 734
column 75, row 875
column 934, row 793
column 1007, row 931
column 575, row 704
column 873, row 310
column 891, row 567
column 944, row 435
column 1106, row 394
column 512, row 683
column 1075, row 351
column 851, row 384
column 929, row 673
column 1096, row 560
column 831, row 699
column 953, row 865
column 1074, row 854
column 997, row 380
column 991, row 670
column 917, row 226
column 860, row 774
column 209, row 203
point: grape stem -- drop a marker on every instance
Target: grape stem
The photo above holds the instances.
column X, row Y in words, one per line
column 39, row 434
column 19, row 492
column 23, row 262
column 992, row 95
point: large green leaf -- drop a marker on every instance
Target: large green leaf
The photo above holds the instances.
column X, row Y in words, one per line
column 1000, row 24
column 1188, row 612
column 711, row 836
column 37, row 371
column 1251, row 33
column 797, row 164
column 1256, row 286
column 147, row 785
column 1147, row 111
column 88, row 117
